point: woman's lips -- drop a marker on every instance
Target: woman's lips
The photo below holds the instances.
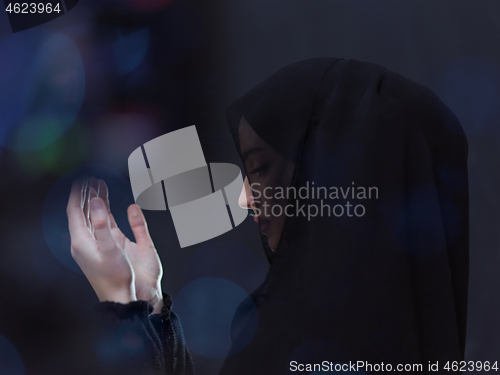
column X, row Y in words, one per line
column 264, row 224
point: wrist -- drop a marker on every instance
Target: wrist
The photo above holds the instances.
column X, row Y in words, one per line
column 122, row 295
column 119, row 297
column 157, row 300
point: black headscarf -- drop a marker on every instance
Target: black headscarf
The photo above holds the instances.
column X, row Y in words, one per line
column 389, row 286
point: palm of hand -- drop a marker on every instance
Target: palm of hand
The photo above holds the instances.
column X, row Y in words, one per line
column 145, row 263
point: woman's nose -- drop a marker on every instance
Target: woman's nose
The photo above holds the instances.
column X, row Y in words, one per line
column 246, row 198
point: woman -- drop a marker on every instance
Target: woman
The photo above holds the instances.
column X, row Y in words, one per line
column 358, row 178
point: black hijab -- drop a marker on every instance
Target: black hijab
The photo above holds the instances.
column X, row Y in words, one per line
column 389, row 286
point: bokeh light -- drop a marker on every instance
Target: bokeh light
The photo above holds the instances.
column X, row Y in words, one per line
column 130, row 49
column 10, row 360
column 44, row 262
column 131, row 125
column 55, row 221
column 59, row 157
column 226, row 260
column 42, row 84
column 206, row 308
column 470, row 86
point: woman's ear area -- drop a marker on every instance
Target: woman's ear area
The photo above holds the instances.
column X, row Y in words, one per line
column 246, row 198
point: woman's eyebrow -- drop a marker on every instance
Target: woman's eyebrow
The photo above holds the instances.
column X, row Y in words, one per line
column 247, row 153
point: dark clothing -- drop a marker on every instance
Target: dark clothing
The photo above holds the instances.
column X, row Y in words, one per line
column 142, row 343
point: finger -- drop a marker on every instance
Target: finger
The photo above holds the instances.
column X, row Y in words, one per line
column 139, row 226
column 86, row 201
column 76, row 219
column 92, row 194
column 104, row 193
column 93, row 183
column 84, row 181
column 100, row 221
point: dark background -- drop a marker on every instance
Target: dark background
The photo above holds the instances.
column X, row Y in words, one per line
column 126, row 72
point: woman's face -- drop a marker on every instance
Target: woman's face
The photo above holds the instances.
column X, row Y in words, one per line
column 267, row 170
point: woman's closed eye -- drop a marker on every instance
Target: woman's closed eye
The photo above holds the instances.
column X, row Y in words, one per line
column 260, row 170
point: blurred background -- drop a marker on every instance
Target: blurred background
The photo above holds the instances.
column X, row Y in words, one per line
column 83, row 91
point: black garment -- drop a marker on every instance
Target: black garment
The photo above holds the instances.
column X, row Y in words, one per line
column 143, row 343
column 389, row 286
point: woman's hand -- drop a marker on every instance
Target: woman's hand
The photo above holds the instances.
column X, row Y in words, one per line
column 118, row 269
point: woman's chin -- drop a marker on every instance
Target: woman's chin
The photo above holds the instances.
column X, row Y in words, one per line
column 273, row 244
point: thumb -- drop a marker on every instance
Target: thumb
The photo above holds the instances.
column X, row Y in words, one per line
column 139, row 226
